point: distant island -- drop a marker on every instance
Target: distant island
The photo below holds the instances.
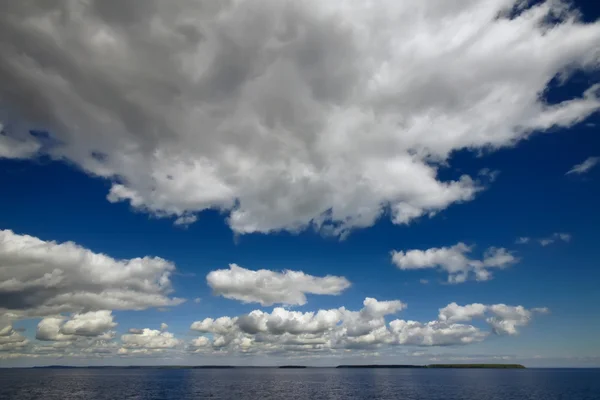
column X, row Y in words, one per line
column 491, row 366
column 487, row 366
column 496, row 366
column 138, row 367
column 381, row 366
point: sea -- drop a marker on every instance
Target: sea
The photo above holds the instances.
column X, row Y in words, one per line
column 309, row 383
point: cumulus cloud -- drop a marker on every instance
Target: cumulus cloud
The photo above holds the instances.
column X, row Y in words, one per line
column 164, row 327
column 220, row 325
column 455, row 313
column 503, row 319
column 435, row 333
column 455, row 261
column 584, row 167
column 284, row 114
column 522, row 240
column 49, row 329
column 10, row 339
column 269, row 287
column 565, row 237
column 148, row 339
column 77, row 347
column 282, row 331
column 90, row 324
column 39, row 278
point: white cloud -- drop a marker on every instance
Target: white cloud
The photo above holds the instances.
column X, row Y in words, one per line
column 164, row 327
column 220, row 325
column 149, row 339
column 376, row 309
column 503, row 319
column 455, row 313
column 45, row 278
column 281, row 321
column 49, row 329
column 455, row 261
column 284, row 331
column 522, row 240
column 284, row 114
column 268, row 287
column 11, row 340
column 200, row 342
column 565, row 237
column 435, row 333
column 90, row 324
column 585, row 166
column 185, row 220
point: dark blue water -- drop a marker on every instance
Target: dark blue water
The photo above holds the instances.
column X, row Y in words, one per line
column 316, row 383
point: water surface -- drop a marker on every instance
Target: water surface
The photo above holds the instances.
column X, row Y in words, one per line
column 311, row 383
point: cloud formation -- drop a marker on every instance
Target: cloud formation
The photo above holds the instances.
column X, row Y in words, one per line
column 455, row 261
column 268, row 287
column 284, row 114
column 39, row 278
column 282, row 331
column 585, row 166
column 278, row 332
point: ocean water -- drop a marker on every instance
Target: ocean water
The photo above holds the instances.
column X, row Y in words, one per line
column 312, row 383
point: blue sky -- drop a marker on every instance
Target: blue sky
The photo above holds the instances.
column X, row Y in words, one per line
column 57, row 191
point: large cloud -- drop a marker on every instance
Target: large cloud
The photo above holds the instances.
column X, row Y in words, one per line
column 284, row 113
column 269, row 287
column 91, row 324
column 340, row 329
column 40, row 277
column 455, row 261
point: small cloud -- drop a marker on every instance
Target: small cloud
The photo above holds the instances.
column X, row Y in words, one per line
column 197, row 300
column 585, row 166
column 185, row 220
column 522, row 240
column 424, row 281
column 164, row 327
column 541, row 310
column 135, row 331
column 565, row 237
column 491, row 175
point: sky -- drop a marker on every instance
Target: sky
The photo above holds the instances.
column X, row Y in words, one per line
column 316, row 183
